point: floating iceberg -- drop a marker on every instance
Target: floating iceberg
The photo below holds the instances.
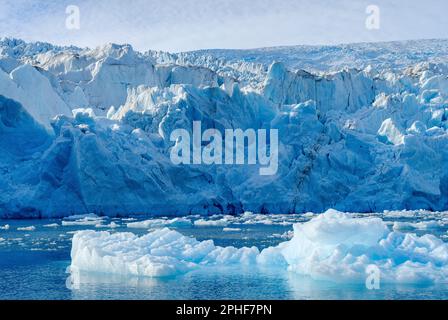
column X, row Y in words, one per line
column 337, row 247
column 160, row 253
column 51, row 225
column 82, row 220
column 211, row 223
column 158, row 223
column 231, row 230
column 333, row 246
column 30, row 228
column 111, row 225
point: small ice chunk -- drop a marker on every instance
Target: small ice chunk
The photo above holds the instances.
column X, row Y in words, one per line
column 160, row 223
column 308, row 215
column 89, row 216
column 286, row 235
column 211, row 223
column 30, row 228
column 423, row 225
column 82, row 220
column 52, row 225
column 111, row 225
column 231, row 229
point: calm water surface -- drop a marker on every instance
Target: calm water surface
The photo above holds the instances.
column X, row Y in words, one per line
column 33, row 265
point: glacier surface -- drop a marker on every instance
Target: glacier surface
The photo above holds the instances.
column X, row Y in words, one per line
column 362, row 128
column 333, row 246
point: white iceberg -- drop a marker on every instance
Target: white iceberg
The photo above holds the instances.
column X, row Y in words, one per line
column 157, row 223
column 82, row 220
column 337, row 247
column 160, row 253
column 51, row 225
column 211, row 223
column 30, row 228
column 333, row 246
column 112, row 225
column 422, row 225
column 231, row 229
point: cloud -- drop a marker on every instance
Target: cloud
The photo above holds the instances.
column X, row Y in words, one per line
column 179, row 25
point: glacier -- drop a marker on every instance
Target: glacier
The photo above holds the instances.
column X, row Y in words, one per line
column 333, row 246
column 362, row 128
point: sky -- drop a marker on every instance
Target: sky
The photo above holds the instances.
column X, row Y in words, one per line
column 184, row 25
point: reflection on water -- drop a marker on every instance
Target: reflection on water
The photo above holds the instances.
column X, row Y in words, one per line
column 233, row 283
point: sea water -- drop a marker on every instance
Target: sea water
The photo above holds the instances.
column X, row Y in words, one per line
column 35, row 256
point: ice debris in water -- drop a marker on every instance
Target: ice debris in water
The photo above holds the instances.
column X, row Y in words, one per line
column 89, row 216
column 30, row 228
column 422, row 225
column 82, row 220
column 211, row 223
column 157, row 223
column 231, row 229
column 333, row 246
column 218, row 220
column 112, row 225
column 51, row 225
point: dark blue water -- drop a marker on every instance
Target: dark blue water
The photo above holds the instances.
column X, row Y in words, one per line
column 33, row 266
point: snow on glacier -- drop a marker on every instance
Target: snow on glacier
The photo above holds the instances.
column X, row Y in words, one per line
column 333, row 246
column 88, row 130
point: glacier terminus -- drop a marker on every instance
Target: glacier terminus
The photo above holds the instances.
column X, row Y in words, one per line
column 88, row 130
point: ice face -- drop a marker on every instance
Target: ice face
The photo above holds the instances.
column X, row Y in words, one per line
column 88, row 130
column 333, row 246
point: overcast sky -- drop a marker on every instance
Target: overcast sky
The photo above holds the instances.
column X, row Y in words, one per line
column 181, row 25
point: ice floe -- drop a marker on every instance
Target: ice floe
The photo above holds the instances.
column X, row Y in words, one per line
column 51, row 225
column 422, row 225
column 30, row 228
column 231, row 229
column 157, row 223
column 112, row 225
column 211, row 223
column 82, row 220
column 89, row 216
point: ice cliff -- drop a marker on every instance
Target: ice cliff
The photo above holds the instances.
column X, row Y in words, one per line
column 88, row 130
